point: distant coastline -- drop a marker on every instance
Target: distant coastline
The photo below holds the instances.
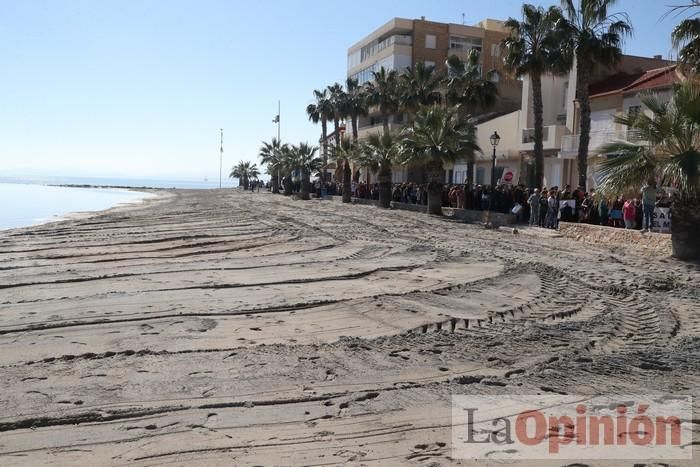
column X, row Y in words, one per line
column 119, row 182
column 117, row 187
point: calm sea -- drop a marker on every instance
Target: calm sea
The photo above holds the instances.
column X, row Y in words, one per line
column 26, row 202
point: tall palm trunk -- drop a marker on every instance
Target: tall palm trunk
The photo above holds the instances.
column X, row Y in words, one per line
column 347, row 181
column 537, row 108
column 275, row 184
column 287, row 183
column 685, row 241
column 324, row 135
column 583, row 73
column 305, row 185
column 384, row 178
column 353, row 121
column 336, row 127
column 470, row 173
column 385, row 122
column 436, row 176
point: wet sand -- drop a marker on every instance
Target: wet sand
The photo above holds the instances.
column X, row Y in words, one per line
column 219, row 327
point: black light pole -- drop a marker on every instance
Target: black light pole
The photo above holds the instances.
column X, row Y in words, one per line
column 495, row 139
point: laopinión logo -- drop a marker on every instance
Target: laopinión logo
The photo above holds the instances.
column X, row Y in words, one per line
column 648, row 427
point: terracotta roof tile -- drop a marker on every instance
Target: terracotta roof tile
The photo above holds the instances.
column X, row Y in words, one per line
column 624, row 83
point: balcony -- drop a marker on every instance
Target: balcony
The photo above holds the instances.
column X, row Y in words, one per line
column 570, row 143
column 552, row 136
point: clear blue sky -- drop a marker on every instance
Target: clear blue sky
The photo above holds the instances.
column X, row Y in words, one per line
column 141, row 87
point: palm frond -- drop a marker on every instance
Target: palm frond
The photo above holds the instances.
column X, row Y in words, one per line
column 627, row 168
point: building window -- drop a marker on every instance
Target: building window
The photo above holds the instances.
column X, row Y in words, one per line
column 495, row 50
column 429, row 64
column 430, row 41
column 634, row 111
column 480, row 175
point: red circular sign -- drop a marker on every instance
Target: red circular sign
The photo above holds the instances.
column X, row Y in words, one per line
column 508, row 177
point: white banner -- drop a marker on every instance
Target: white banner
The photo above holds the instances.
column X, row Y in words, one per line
column 662, row 220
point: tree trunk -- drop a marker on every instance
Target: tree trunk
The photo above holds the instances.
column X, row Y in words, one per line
column 685, row 241
column 324, row 135
column 346, row 181
column 384, row 178
column 305, row 185
column 583, row 73
column 436, row 177
column 246, row 183
column 470, row 174
column 275, row 184
column 354, row 117
column 385, row 122
column 287, row 182
column 539, row 129
column 336, row 126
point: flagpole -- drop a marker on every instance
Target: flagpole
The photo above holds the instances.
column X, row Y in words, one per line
column 279, row 140
column 221, row 155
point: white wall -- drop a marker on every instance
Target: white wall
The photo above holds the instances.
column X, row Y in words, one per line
column 557, row 97
column 508, row 128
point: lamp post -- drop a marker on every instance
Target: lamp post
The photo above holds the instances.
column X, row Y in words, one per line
column 495, row 139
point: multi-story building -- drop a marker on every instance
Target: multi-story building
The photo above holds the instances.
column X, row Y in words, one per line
column 612, row 92
column 401, row 43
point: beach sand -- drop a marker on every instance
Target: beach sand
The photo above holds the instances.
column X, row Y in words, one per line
column 229, row 328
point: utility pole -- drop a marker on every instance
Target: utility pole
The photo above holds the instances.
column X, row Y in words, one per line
column 221, row 155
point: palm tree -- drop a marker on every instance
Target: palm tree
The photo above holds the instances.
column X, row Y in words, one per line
column 469, row 90
column 345, row 152
column 321, row 111
column 379, row 154
column 418, row 86
column 244, row 171
column 303, row 158
column 466, row 85
column 382, row 92
column 536, row 46
column 287, row 167
column 438, row 135
column 355, row 104
column 270, row 155
column 337, row 99
column 597, row 40
column 669, row 152
column 686, row 38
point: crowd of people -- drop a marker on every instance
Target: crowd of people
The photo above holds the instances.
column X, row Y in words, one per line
column 543, row 208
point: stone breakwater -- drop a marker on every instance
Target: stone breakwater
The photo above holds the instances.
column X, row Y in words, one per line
column 230, row 328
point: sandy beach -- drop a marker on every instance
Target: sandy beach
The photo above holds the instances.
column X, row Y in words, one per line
column 228, row 328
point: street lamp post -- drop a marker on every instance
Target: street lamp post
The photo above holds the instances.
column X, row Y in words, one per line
column 495, row 139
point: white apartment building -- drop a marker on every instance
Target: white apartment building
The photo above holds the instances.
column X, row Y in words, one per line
column 561, row 123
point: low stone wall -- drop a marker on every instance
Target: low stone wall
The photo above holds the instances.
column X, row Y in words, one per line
column 482, row 217
column 466, row 215
column 601, row 236
column 409, row 207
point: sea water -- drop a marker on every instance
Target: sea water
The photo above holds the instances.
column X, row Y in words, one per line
column 29, row 204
